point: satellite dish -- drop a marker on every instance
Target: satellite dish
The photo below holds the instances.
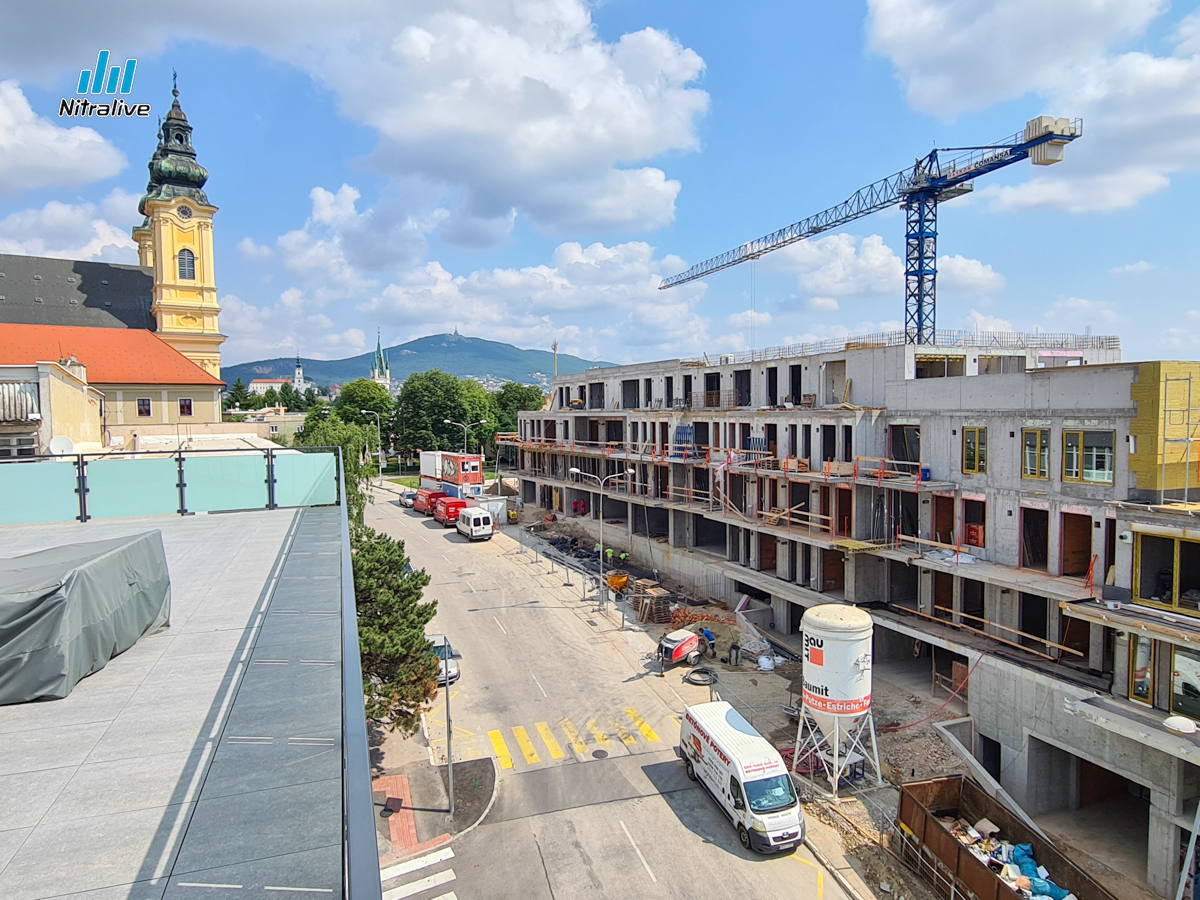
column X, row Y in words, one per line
column 61, row 445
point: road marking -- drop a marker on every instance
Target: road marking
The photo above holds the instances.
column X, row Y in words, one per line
column 526, row 744
column 641, row 724
column 446, row 558
column 622, row 732
column 556, row 750
column 413, row 865
column 207, row 884
column 432, row 710
column 416, row 887
column 538, row 683
column 501, row 627
column 638, row 851
column 501, row 749
column 272, row 887
column 469, row 585
column 820, row 875
column 600, row 737
column 572, row 733
column 449, row 896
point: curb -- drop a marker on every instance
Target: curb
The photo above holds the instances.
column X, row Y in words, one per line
column 487, row 809
column 843, row 883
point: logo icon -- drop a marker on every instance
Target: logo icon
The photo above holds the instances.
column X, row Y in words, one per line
column 92, row 81
column 104, row 79
column 816, row 656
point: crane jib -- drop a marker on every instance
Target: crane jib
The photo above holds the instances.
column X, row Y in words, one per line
column 927, row 182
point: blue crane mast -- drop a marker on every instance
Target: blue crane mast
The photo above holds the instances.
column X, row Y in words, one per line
column 919, row 189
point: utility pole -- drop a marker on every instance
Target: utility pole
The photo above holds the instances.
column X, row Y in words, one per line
column 378, row 437
column 449, row 742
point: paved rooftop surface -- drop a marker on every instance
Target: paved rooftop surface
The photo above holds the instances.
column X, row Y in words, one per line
column 206, row 760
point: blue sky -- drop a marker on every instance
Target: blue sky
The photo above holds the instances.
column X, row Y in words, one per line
column 527, row 171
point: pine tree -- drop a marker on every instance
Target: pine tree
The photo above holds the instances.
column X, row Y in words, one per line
column 400, row 669
column 238, row 396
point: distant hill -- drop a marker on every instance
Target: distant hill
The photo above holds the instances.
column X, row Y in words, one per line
column 466, row 357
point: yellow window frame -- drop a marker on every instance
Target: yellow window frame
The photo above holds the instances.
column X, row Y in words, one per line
column 1080, row 455
column 1133, row 643
column 979, row 465
column 1043, row 450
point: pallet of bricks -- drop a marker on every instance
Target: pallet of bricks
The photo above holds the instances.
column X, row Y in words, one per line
column 654, row 601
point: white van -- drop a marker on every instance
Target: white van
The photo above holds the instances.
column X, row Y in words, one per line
column 744, row 774
column 475, row 523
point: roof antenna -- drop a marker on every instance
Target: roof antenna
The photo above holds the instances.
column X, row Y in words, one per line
column 174, row 82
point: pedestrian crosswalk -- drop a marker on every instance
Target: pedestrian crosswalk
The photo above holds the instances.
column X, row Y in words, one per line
column 416, row 878
column 607, row 732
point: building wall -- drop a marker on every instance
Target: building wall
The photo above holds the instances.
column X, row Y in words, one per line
column 73, row 410
column 121, row 408
column 1162, row 396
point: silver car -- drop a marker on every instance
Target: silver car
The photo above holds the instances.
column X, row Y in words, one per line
column 408, row 498
column 441, row 646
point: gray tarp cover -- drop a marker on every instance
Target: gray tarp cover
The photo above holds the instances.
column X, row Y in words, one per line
column 65, row 612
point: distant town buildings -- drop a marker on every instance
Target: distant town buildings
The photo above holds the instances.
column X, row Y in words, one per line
column 260, row 386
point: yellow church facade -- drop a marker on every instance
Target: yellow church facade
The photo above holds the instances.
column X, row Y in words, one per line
column 175, row 241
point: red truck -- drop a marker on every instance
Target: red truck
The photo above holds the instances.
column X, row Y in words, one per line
column 426, row 500
column 446, row 510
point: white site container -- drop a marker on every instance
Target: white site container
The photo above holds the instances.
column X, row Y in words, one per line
column 837, row 664
column 431, row 464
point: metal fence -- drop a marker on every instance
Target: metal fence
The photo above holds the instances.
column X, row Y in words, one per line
column 84, row 486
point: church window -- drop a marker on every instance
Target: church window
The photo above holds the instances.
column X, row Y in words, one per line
column 187, row 265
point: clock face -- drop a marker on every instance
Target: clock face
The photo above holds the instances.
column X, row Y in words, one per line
column 185, row 212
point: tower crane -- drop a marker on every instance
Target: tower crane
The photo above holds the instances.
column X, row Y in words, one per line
column 919, row 189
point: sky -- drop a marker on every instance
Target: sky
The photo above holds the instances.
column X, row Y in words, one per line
column 528, row 171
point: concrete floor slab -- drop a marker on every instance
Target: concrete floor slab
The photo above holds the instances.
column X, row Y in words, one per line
column 11, row 841
column 125, row 785
column 49, row 747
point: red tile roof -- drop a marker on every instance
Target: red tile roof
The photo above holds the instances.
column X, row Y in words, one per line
column 112, row 355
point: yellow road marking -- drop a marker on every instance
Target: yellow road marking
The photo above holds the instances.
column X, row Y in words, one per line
column 599, row 736
column 622, row 732
column 556, row 751
column 820, row 875
column 501, row 749
column 526, row 745
column 572, row 733
column 641, row 724
column 429, row 712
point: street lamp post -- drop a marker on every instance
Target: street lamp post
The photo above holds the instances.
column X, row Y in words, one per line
column 600, row 481
column 464, row 428
column 379, row 437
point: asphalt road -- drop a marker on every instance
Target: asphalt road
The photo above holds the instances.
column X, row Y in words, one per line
column 592, row 801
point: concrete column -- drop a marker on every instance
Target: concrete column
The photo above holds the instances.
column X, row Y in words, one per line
column 1096, row 649
column 733, row 543
column 752, row 559
column 818, row 570
column 783, row 565
column 925, row 591
column 779, row 611
column 924, row 515
column 1120, row 685
column 1162, row 848
column 1054, row 540
column 957, row 591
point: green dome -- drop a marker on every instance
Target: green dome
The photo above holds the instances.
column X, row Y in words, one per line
column 174, row 171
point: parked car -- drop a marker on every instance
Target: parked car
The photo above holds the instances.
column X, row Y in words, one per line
column 449, row 656
column 407, row 498
column 426, row 499
column 447, row 509
column 476, row 524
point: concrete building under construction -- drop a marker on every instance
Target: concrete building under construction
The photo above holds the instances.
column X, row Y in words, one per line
column 1013, row 509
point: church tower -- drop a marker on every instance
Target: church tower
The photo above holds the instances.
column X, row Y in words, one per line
column 381, row 372
column 175, row 240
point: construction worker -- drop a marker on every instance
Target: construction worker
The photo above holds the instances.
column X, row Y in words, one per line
column 575, row 508
column 609, row 554
column 623, row 557
column 710, row 641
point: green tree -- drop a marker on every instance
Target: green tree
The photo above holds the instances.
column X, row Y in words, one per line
column 238, row 396
column 513, row 398
column 310, row 398
column 323, row 428
column 270, row 397
column 429, row 398
column 400, row 669
column 364, row 394
column 288, row 397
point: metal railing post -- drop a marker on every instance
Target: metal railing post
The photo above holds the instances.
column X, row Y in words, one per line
column 271, row 479
column 182, row 485
column 81, row 486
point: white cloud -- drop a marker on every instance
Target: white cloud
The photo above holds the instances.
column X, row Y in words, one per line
column 749, row 317
column 34, row 152
column 1077, row 312
column 1141, row 111
column 511, row 106
column 825, row 304
column 252, row 251
column 983, row 322
column 289, row 326
column 1136, row 268
column 842, row 265
column 957, row 273
column 75, row 231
